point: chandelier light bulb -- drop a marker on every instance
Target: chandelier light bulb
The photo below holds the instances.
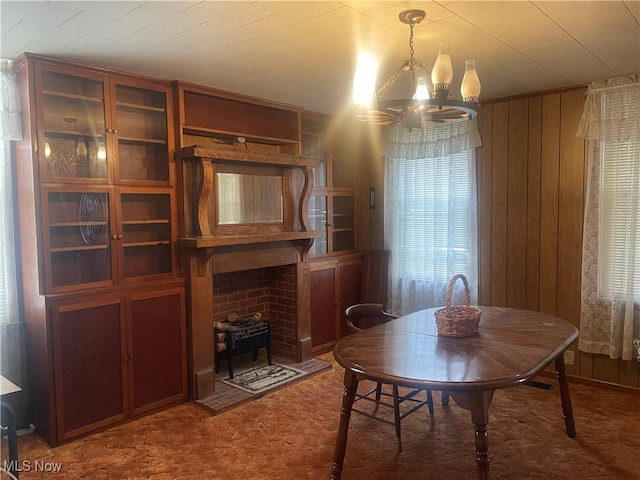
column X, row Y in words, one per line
column 470, row 88
column 422, row 89
column 442, row 73
column 47, row 150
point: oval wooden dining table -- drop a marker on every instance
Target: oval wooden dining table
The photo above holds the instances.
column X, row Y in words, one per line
column 511, row 347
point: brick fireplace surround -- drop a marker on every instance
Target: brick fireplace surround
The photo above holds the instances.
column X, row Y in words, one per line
column 270, row 291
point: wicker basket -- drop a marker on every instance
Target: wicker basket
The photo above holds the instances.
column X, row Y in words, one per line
column 458, row 321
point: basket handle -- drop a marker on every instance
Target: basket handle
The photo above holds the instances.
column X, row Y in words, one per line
column 450, row 290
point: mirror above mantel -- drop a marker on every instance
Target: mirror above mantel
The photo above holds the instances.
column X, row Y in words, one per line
column 245, row 199
column 240, row 197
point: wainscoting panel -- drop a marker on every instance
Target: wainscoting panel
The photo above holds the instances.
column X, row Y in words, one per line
column 531, row 189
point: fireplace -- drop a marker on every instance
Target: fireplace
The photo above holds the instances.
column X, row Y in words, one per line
column 268, row 291
column 245, row 236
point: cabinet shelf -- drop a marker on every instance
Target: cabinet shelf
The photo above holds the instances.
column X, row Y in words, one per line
column 79, row 248
column 76, row 224
column 142, row 140
column 69, row 134
column 146, row 244
column 153, row 221
column 135, row 106
column 314, row 134
column 73, row 97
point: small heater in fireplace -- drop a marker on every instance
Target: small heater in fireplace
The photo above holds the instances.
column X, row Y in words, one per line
column 241, row 336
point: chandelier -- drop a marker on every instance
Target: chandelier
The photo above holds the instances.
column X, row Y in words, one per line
column 427, row 106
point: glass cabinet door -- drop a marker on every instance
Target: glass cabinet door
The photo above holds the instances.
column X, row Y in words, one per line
column 72, row 143
column 146, row 232
column 342, row 163
column 77, row 239
column 342, row 224
column 314, row 144
column 318, row 218
column 142, row 139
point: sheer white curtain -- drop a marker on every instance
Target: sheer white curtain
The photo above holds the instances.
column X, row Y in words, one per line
column 610, row 310
column 9, row 130
column 10, row 340
column 430, row 212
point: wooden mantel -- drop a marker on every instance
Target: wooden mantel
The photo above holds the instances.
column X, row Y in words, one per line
column 211, row 247
column 238, row 155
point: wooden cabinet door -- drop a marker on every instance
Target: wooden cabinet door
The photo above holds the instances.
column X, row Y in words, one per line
column 89, row 360
column 323, row 308
column 157, row 349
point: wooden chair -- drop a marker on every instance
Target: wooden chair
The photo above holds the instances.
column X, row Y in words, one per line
column 366, row 315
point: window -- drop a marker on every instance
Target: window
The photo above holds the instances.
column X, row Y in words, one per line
column 430, row 214
column 610, row 294
column 432, row 223
column 619, row 242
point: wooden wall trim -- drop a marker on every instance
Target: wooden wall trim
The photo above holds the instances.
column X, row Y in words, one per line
column 531, row 193
column 615, row 387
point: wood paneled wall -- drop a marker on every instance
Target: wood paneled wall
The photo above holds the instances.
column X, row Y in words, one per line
column 531, row 191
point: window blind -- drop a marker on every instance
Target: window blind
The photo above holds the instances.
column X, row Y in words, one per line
column 433, row 221
column 619, row 227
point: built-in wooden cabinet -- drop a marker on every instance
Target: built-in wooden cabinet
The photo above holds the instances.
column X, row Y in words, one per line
column 99, row 236
column 116, row 356
column 94, row 129
column 332, row 206
column 335, row 265
column 335, row 285
column 215, row 118
column 104, row 305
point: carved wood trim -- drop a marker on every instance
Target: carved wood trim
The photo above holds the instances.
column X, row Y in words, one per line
column 303, row 212
column 204, row 228
column 202, row 259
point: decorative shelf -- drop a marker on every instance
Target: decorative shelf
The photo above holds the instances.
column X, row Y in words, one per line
column 230, row 135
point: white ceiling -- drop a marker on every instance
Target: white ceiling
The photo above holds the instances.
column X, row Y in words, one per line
column 304, row 53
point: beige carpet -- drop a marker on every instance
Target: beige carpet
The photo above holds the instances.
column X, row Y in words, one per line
column 290, row 434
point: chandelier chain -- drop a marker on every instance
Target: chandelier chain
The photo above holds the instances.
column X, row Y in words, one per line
column 411, row 42
column 406, row 65
column 389, row 83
